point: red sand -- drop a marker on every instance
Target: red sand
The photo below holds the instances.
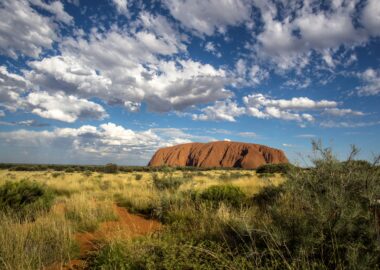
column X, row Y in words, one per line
column 127, row 226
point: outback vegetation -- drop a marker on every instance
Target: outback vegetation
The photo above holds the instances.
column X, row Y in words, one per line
column 277, row 217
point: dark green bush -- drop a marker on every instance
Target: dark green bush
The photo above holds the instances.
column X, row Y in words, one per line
column 110, row 168
column 172, row 183
column 267, row 196
column 274, row 168
column 25, row 199
column 227, row 194
column 324, row 216
column 358, row 164
column 168, row 180
column 155, row 254
column 87, row 173
column 146, row 210
column 56, row 174
column 70, row 170
column 233, row 175
column 138, row 177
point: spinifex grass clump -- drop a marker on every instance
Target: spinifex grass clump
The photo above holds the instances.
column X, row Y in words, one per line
column 168, row 181
column 274, row 168
column 227, row 194
column 25, row 199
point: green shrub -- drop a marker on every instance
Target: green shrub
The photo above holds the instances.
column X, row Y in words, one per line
column 274, row 168
column 188, row 175
column 111, row 256
column 358, row 164
column 265, row 175
column 70, row 170
column 324, row 216
column 154, row 253
column 56, row 174
column 233, row 175
column 110, row 168
column 168, row 181
column 227, row 194
column 87, row 173
column 147, row 209
column 172, row 183
column 25, row 199
column 138, row 177
column 268, row 195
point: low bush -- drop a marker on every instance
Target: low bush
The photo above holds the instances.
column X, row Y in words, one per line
column 228, row 194
column 167, row 181
column 274, row 168
column 87, row 173
column 233, row 175
column 25, row 199
column 134, row 205
column 323, row 216
column 70, row 170
column 56, row 174
column 154, row 253
column 138, row 177
column 110, row 168
column 267, row 196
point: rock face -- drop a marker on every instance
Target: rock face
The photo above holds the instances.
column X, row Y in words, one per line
column 218, row 154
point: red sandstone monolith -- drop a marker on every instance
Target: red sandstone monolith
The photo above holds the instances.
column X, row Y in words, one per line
column 218, row 154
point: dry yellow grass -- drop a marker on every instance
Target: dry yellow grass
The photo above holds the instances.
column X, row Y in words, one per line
column 85, row 199
column 105, row 186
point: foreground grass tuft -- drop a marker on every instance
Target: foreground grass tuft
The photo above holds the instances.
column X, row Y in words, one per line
column 25, row 199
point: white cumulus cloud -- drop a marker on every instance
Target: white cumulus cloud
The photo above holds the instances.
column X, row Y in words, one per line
column 23, row 31
column 64, row 108
column 220, row 111
column 204, row 17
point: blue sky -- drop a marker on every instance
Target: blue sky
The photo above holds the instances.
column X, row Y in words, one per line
column 93, row 82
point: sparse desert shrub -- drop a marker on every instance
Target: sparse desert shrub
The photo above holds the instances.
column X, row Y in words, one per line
column 110, row 168
column 87, row 173
column 200, row 173
column 20, row 168
column 224, row 176
column 267, row 196
column 233, row 175
column 324, row 217
column 105, row 185
column 57, row 174
column 70, row 170
column 25, row 199
column 274, row 168
column 265, row 175
column 188, row 175
column 138, row 177
column 110, row 256
column 167, row 181
column 151, row 253
column 143, row 207
column 228, row 194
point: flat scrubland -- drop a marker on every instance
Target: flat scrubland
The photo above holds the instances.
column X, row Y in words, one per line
column 325, row 217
